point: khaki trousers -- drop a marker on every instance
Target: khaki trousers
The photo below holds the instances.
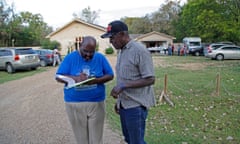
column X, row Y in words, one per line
column 87, row 120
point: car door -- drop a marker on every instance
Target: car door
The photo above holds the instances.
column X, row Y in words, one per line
column 231, row 52
column 5, row 55
column 227, row 52
column 1, row 58
column 236, row 52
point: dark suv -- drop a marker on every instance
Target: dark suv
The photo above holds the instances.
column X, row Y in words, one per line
column 196, row 51
column 46, row 56
column 12, row 59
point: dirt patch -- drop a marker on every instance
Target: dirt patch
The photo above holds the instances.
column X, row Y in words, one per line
column 191, row 66
column 162, row 62
column 33, row 111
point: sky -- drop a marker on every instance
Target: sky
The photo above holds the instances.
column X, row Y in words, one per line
column 57, row 13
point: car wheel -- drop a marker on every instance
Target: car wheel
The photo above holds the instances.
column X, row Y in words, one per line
column 219, row 57
column 34, row 68
column 43, row 63
column 197, row 53
column 10, row 68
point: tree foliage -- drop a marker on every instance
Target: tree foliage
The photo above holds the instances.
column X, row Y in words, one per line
column 138, row 25
column 87, row 15
column 23, row 29
column 212, row 20
column 5, row 16
column 160, row 21
column 163, row 18
column 47, row 44
column 29, row 29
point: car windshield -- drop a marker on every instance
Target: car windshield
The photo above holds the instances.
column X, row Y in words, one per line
column 25, row 51
column 49, row 51
column 194, row 43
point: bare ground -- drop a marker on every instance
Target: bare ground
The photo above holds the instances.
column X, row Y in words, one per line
column 33, row 112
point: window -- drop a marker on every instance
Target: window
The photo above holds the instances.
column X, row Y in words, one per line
column 5, row 53
column 25, row 51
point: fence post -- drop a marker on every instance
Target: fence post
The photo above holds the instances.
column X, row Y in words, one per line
column 165, row 84
column 164, row 93
column 218, row 84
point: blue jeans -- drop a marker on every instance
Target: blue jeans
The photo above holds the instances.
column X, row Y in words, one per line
column 133, row 121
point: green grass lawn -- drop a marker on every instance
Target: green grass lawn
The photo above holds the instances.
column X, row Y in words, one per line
column 5, row 77
column 199, row 115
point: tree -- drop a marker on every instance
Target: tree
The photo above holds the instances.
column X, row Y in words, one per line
column 23, row 29
column 87, row 15
column 212, row 20
column 47, row 44
column 6, row 14
column 163, row 18
column 28, row 29
column 160, row 20
column 138, row 25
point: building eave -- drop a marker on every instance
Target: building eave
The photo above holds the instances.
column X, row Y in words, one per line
column 154, row 32
column 77, row 21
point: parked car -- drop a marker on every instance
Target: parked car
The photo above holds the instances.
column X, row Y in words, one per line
column 12, row 59
column 46, row 56
column 225, row 52
column 213, row 46
column 196, row 51
column 226, row 42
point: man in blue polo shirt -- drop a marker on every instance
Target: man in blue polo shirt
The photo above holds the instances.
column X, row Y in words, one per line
column 85, row 104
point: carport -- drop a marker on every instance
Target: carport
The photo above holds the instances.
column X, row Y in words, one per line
column 155, row 39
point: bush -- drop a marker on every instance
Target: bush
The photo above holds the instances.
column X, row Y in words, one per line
column 109, row 50
column 47, row 44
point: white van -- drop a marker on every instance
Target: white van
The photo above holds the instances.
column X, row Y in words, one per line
column 193, row 45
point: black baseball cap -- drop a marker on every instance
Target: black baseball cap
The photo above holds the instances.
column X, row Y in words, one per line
column 114, row 27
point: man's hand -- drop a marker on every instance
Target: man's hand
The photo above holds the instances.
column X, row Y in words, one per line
column 116, row 108
column 81, row 77
column 117, row 90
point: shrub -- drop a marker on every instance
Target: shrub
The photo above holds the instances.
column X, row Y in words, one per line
column 109, row 50
column 47, row 44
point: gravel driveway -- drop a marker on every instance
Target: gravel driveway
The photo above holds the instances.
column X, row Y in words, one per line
column 33, row 112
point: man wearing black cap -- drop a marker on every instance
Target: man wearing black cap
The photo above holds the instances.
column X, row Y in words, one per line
column 135, row 77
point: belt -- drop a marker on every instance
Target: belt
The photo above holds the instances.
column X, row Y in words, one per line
column 121, row 107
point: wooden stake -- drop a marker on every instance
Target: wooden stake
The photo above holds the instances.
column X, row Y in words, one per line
column 165, row 84
column 161, row 97
column 167, row 99
column 164, row 95
column 218, row 85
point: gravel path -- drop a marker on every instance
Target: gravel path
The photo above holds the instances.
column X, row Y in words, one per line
column 32, row 112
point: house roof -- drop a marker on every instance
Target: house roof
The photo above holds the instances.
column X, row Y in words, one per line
column 77, row 21
column 134, row 36
column 154, row 32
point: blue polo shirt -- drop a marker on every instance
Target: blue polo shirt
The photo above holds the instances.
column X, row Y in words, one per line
column 73, row 64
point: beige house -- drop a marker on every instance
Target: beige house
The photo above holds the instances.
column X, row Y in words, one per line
column 69, row 33
column 155, row 39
